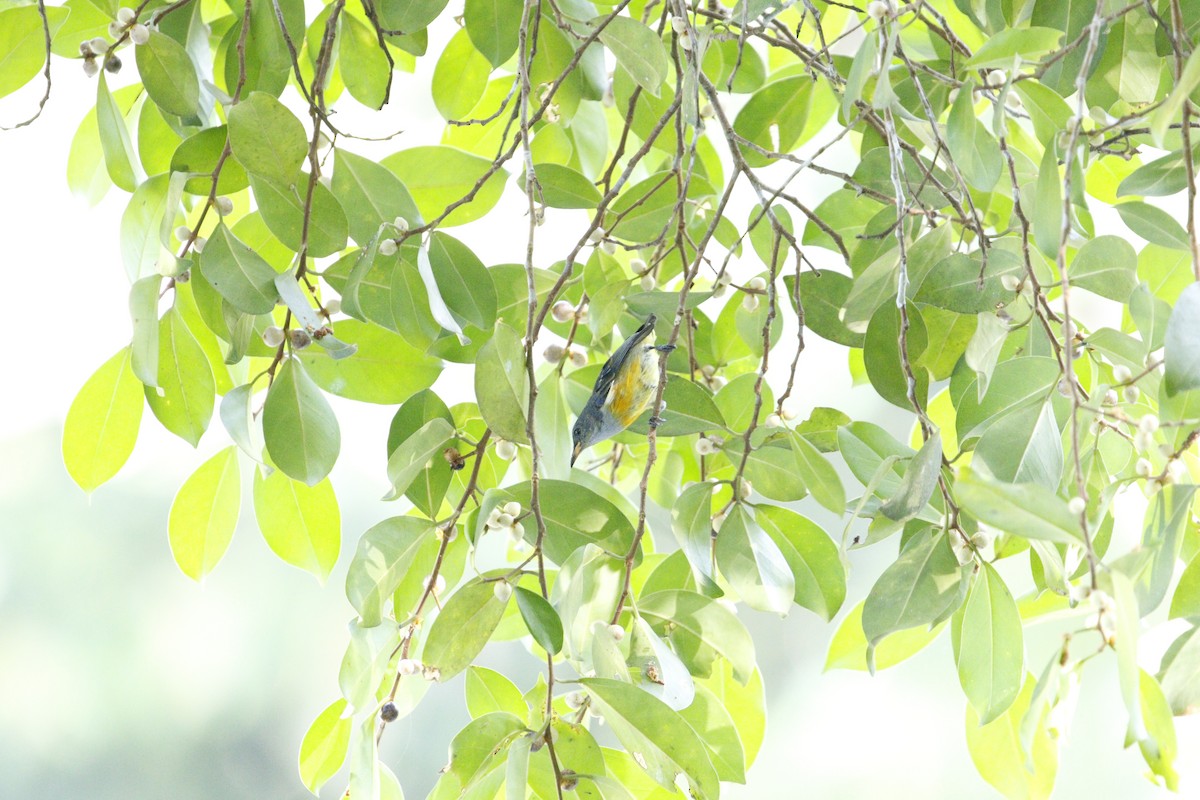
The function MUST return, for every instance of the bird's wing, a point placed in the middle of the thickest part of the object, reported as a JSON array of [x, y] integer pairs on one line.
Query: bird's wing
[[608, 373]]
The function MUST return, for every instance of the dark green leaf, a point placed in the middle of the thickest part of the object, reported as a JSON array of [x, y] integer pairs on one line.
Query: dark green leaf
[[541, 619], [463, 627], [168, 74], [301, 430]]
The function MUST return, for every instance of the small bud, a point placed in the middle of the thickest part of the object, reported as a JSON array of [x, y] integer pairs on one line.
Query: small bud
[[718, 520], [774, 421], [408, 666], [578, 358], [707, 111], [750, 302], [505, 449], [981, 540], [718, 291], [617, 632], [788, 412], [224, 205], [99, 45], [90, 67], [387, 247], [198, 244], [1010, 282], [389, 712], [1132, 393], [517, 533], [756, 284], [1143, 468], [581, 314], [502, 590], [996, 78], [703, 447], [113, 65], [183, 233], [273, 336], [575, 699], [596, 236], [85, 49], [300, 338], [139, 34], [116, 30], [708, 370], [608, 99], [554, 353], [1143, 442], [126, 15], [1110, 397], [1178, 472], [333, 306], [877, 9], [685, 41], [439, 584], [648, 283], [512, 508], [504, 520], [716, 382], [608, 246], [446, 534], [1012, 101], [638, 266], [1148, 423], [744, 489], [1121, 373], [679, 24], [401, 224], [569, 781], [562, 311], [1077, 505]]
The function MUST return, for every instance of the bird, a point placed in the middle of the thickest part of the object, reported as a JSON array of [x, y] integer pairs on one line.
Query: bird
[[627, 383]]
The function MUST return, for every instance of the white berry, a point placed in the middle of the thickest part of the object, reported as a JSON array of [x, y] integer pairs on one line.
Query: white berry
[[1148, 423], [648, 283], [679, 24], [224, 205], [139, 34], [387, 247], [1132, 393], [750, 302], [1010, 282], [1143, 468], [1121, 373], [877, 9], [1077, 505], [502, 590], [506, 449], [273, 336], [562, 311], [617, 632], [408, 666], [126, 15], [774, 421], [756, 284]]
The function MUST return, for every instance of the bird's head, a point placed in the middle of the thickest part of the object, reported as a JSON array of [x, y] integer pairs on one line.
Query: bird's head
[[585, 433]]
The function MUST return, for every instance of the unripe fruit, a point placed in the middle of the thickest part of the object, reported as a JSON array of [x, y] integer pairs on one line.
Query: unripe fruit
[[1132, 393], [505, 449], [333, 306], [578, 358], [512, 508], [1143, 468], [648, 283], [503, 591], [98, 45], [704, 447], [183, 233], [401, 224], [617, 632], [90, 67], [139, 34], [877, 9], [756, 284], [126, 15], [788, 413], [608, 246], [273, 336], [562, 311], [224, 205], [387, 247], [389, 712], [1077, 505], [554, 353], [116, 29], [113, 65], [679, 24], [996, 78], [750, 302], [1121, 373], [300, 338], [1148, 423], [774, 421], [638, 266], [408, 666]]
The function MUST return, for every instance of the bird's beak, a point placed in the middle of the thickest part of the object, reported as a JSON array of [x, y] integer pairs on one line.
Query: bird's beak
[[575, 453]]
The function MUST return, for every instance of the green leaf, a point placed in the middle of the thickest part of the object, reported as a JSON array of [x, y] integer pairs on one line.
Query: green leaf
[[370, 195], [812, 557], [199, 154], [143, 310], [1025, 43], [701, 630], [922, 587], [990, 653], [646, 725], [881, 355], [753, 564], [541, 619], [238, 273], [1027, 510], [183, 401], [364, 65], [323, 750], [141, 248], [1161, 177], [464, 284], [1170, 110], [848, 649], [1047, 219], [204, 514], [954, 283], [494, 26], [1182, 343], [266, 138], [102, 424], [302, 524], [1180, 674], [1166, 524], [385, 555], [691, 522], [384, 369], [819, 476], [414, 453], [1015, 383], [1185, 602], [123, 168], [637, 49], [23, 43], [1160, 746], [1024, 446], [460, 77], [1106, 265], [973, 148], [168, 74], [918, 483], [1125, 638], [409, 16], [489, 691], [563, 187], [712, 722], [996, 750], [575, 516], [516, 769], [438, 176], [281, 204], [301, 430], [1153, 224], [501, 388], [823, 295], [463, 627]]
